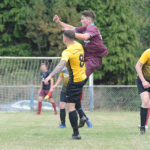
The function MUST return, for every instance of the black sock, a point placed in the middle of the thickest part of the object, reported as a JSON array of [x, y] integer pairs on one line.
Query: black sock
[[143, 114], [63, 116], [81, 113], [74, 121], [80, 110]]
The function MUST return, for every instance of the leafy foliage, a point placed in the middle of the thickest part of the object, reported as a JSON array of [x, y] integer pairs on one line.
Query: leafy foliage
[[27, 29], [142, 9], [43, 32], [13, 29], [17, 50]]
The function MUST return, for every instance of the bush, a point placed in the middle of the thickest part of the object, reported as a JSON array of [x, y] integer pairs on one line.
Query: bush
[[16, 50]]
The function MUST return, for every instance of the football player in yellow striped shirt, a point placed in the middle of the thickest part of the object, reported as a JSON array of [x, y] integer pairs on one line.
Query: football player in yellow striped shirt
[[143, 84], [64, 75], [73, 58]]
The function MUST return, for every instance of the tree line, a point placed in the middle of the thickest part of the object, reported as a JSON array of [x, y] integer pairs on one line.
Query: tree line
[[27, 29]]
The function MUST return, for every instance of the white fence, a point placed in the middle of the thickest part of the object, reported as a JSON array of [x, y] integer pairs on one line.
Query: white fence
[[20, 81], [105, 97], [119, 97]]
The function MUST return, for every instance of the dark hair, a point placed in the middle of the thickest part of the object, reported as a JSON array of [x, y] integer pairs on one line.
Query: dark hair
[[43, 64], [89, 13], [70, 34]]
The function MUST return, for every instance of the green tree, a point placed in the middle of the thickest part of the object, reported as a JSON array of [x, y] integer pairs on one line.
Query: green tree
[[142, 9], [42, 31], [36, 23], [26, 28], [12, 25], [16, 50]]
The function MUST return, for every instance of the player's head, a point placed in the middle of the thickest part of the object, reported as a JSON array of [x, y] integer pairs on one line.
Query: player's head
[[68, 36], [43, 67], [88, 17]]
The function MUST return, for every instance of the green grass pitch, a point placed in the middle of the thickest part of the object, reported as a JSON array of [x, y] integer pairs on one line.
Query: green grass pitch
[[111, 131]]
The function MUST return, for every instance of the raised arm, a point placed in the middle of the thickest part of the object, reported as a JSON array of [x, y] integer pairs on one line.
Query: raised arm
[[58, 68], [65, 26], [81, 36], [138, 68]]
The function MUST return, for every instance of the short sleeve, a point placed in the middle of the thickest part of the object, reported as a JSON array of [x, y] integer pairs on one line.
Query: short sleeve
[[80, 29], [65, 55], [145, 56], [62, 74]]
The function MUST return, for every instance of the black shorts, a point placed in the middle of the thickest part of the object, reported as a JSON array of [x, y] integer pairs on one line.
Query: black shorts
[[141, 89], [63, 97], [74, 91]]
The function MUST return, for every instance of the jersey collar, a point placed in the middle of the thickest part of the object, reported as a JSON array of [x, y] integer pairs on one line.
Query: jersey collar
[[92, 24], [70, 45]]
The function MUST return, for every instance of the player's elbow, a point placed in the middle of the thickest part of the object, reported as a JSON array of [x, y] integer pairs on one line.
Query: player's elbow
[[86, 38], [136, 66]]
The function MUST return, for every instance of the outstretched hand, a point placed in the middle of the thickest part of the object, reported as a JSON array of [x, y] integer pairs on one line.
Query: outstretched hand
[[56, 19]]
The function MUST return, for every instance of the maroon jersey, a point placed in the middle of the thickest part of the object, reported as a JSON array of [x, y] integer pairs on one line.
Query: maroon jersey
[[94, 46]]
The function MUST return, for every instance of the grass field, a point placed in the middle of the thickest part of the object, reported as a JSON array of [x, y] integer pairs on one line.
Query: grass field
[[111, 131]]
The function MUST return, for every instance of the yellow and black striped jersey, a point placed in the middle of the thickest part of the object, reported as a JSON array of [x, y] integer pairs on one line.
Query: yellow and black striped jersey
[[74, 56], [145, 60]]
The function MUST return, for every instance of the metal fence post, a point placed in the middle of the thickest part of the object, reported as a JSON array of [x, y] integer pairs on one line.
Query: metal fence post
[[91, 92], [31, 99]]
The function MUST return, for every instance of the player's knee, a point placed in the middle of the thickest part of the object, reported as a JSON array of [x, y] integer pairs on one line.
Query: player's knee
[[62, 105], [71, 107], [52, 100], [146, 103], [145, 99], [40, 99]]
